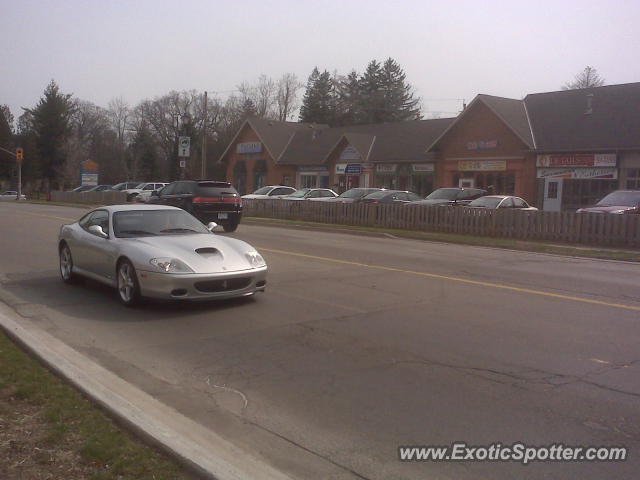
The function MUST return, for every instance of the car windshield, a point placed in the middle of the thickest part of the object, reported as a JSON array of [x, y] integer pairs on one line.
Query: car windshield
[[143, 223], [119, 186], [262, 191], [299, 193], [486, 202], [626, 199], [443, 194], [356, 193]]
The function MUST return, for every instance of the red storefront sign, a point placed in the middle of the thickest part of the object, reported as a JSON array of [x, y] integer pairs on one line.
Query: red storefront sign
[[577, 160]]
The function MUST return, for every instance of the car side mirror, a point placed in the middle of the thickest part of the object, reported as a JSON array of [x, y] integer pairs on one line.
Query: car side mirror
[[97, 230], [211, 226]]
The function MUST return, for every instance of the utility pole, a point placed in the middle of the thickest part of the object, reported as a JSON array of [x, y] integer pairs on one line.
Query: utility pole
[[203, 173]]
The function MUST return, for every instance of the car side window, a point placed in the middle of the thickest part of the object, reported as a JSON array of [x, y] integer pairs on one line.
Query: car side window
[[413, 197], [183, 188], [507, 203], [280, 191], [313, 194], [325, 193], [83, 221], [99, 217], [519, 203], [149, 187]]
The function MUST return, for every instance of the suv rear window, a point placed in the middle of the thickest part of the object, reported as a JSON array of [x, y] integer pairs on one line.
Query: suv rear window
[[213, 189]]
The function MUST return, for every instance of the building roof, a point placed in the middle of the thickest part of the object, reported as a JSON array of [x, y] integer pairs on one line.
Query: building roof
[[560, 120], [273, 134]]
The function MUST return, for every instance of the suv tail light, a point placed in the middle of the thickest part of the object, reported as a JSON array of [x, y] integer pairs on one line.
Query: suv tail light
[[235, 200]]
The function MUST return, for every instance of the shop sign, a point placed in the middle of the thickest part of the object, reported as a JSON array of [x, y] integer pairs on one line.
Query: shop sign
[[423, 167], [340, 168], [313, 168], [89, 179], [89, 173], [577, 160], [353, 169], [349, 153], [482, 165], [249, 147], [386, 168], [482, 145], [579, 173]]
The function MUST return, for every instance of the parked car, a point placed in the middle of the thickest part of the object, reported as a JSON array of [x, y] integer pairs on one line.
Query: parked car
[[11, 195], [271, 191], [451, 196], [99, 188], [142, 187], [620, 201], [82, 188], [145, 195], [207, 200], [500, 201], [311, 193], [174, 256], [350, 196], [391, 196], [125, 186]]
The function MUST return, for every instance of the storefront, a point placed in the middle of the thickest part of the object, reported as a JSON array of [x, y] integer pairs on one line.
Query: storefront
[[312, 177], [629, 171], [415, 177], [571, 181], [496, 176], [352, 175]]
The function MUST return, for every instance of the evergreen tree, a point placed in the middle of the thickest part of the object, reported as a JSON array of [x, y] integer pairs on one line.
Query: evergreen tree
[[249, 108], [348, 100], [318, 105], [7, 161], [371, 101], [399, 103], [51, 125]]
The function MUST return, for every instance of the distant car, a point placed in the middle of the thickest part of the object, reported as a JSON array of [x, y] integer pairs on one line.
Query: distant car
[[451, 196], [500, 201], [391, 196], [11, 195], [311, 193], [350, 196], [619, 202], [145, 195], [271, 191], [207, 200], [99, 188], [158, 252], [125, 186], [82, 188], [142, 187]]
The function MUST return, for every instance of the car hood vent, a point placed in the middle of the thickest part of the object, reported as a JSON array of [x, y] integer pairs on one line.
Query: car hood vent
[[207, 251]]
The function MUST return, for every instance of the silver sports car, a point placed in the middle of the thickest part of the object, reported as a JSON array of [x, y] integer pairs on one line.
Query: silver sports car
[[159, 252]]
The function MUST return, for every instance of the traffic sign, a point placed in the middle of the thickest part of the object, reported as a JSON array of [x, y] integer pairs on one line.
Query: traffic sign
[[184, 145]]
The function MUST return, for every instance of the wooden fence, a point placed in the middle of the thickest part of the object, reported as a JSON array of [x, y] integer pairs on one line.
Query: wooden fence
[[565, 227], [102, 198]]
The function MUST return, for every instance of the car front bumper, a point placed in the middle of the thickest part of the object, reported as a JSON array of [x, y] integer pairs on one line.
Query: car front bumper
[[202, 286]]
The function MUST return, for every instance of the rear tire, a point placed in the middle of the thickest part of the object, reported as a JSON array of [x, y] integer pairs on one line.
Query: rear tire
[[128, 286], [230, 226], [66, 265]]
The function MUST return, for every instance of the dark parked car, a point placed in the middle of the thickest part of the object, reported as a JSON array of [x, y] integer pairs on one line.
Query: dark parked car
[[207, 200], [391, 196], [350, 196], [100, 188], [451, 196], [620, 201]]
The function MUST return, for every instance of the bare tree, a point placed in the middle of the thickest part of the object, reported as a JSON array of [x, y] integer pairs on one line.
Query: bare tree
[[262, 95], [587, 78], [287, 95]]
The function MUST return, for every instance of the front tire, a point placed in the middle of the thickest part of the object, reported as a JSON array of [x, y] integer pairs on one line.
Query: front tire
[[128, 286], [66, 265], [230, 226]]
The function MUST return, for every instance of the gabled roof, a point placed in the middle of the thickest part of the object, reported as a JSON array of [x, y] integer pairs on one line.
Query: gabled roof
[[512, 112], [560, 121], [273, 134]]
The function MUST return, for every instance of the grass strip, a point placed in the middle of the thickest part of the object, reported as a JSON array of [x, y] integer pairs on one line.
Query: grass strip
[[49, 430], [507, 243]]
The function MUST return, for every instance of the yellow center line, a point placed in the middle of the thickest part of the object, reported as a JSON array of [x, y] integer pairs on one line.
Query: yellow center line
[[458, 279]]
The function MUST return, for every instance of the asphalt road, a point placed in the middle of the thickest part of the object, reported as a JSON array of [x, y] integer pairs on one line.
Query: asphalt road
[[364, 343]]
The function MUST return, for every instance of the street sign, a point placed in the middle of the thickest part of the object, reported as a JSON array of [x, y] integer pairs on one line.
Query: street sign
[[183, 163], [184, 145]]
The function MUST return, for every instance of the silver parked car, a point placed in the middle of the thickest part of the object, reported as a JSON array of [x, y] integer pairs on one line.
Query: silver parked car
[[158, 251]]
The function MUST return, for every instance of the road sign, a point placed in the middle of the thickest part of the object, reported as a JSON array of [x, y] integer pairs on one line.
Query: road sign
[[183, 163], [19, 154], [184, 145]]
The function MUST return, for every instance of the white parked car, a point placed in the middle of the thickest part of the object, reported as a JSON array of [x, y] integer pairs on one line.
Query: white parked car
[[271, 191], [11, 195], [500, 201], [143, 187], [145, 195]]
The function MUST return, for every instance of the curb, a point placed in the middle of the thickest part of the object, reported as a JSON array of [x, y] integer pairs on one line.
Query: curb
[[197, 447]]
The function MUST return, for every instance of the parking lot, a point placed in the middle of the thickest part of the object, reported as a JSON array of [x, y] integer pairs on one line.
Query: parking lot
[[362, 343]]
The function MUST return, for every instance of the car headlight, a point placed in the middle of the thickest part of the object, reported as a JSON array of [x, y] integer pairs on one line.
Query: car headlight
[[255, 259], [170, 265]]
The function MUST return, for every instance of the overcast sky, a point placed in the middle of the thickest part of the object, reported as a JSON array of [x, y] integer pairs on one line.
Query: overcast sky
[[102, 49]]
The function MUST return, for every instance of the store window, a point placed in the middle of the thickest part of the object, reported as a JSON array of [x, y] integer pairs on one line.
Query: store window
[[578, 193], [633, 178], [308, 181]]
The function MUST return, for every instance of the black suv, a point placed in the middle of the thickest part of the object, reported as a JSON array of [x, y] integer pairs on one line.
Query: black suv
[[207, 200]]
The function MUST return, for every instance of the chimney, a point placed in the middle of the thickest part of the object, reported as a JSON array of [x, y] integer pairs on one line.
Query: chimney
[[589, 109]]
